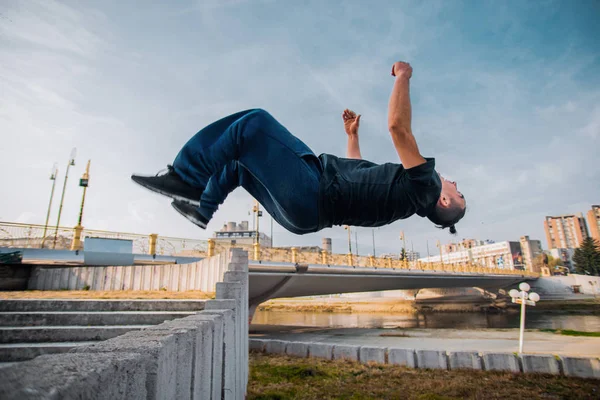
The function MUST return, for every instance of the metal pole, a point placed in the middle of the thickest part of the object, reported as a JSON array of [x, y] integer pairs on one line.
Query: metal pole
[[373, 231], [62, 198], [53, 178], [522, 328], [356, 242], [271, 231]]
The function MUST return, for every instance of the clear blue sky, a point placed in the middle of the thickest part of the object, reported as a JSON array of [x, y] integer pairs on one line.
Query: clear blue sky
[[506, 97]]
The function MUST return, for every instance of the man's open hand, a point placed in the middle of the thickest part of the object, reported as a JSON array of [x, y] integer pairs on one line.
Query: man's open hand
[[351, 122], [402, 68]]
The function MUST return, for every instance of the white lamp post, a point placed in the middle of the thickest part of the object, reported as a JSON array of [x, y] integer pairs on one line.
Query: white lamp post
[[523, 298]]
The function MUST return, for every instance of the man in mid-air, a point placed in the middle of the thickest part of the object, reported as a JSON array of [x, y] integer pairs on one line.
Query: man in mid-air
[[302, 192]]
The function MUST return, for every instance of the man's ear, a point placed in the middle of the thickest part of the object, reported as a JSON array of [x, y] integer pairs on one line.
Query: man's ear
[[443, 201]]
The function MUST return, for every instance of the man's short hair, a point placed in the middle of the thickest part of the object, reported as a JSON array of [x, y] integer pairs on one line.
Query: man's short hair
[[447, 217]]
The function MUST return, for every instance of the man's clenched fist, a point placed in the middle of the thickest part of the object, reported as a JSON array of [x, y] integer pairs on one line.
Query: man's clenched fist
[[402, 68]]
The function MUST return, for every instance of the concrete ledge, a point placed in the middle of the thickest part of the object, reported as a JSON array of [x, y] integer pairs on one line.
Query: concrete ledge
[[404, 357], [320, 350], [47, 334], [501, 362], [257, 345], [432, 359], [14, 352], [275, 346], [541, 364], [297, 349], [372, 354], [24, 305], [345, 352], [581, 367], [465, 360], [76, 376], [159, 358]]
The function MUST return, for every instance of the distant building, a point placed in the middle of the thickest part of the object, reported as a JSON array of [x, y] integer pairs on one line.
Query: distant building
[[565, 231], [530, 249], [464, 244], [505, 255], [239, 234], [593, 220], [412, 255]]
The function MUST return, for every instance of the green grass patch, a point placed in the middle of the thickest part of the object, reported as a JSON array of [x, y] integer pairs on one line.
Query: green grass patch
[[281, 377], [569, 332]]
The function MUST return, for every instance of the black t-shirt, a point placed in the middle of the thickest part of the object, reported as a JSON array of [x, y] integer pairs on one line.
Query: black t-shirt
[[362, 193]]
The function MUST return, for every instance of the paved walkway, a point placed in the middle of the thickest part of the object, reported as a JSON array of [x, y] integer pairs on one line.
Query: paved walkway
[[496, 340]]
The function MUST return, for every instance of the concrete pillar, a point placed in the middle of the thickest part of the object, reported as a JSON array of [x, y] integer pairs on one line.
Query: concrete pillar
[[76, 243], [324, 257], [153, 237], [389, 262], [294, 255], [256, 251], [350, 261], [211, 247], [371, 261]]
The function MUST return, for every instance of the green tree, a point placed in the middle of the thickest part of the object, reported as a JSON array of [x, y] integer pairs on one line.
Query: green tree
[[587, 257], [403, 254], [553, 262]]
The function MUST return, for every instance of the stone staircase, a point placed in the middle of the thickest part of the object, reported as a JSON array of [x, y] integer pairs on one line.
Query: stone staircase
[[29, 328]]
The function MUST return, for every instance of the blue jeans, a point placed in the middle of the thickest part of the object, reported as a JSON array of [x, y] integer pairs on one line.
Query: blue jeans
[[252, 150]]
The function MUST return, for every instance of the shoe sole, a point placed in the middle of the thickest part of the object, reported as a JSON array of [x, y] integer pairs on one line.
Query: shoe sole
[[171, 195], [195, 222]]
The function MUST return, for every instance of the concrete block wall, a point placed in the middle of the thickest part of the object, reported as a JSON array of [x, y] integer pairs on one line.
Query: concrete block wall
[[202, 275], [435, 359], [201, 356]]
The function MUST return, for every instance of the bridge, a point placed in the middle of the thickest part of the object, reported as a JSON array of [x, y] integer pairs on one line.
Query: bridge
[[273, 272]]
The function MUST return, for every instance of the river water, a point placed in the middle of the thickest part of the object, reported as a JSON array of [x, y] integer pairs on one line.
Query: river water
[[448, 320]]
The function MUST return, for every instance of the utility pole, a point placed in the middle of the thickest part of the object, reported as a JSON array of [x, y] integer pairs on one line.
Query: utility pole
[[356, 242], [69, 164], [53, 179]]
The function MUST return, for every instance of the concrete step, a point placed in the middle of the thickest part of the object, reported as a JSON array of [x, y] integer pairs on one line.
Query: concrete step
[[101, 305], [26, 351], [36, 318], [32, 334]]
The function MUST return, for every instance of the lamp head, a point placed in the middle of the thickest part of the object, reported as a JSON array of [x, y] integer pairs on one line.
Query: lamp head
[[524, 286]]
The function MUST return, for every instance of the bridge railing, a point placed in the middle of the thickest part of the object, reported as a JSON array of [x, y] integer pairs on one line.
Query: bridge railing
[[14, 234], [294, 255]]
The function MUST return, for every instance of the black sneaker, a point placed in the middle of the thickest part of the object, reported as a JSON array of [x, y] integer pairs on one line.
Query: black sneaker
[[189, 211], [170, 184]]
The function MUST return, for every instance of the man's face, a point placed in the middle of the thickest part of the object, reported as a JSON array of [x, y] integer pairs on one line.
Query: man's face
[[450, 191]]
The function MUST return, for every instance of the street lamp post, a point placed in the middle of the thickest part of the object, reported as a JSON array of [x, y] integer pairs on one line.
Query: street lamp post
[[523, 298], [258, 212], [62, 198], [83, 182], [53, 179]]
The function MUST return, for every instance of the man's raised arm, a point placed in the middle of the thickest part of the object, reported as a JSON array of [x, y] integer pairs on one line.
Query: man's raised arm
[[399, 117], [351, 122]]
